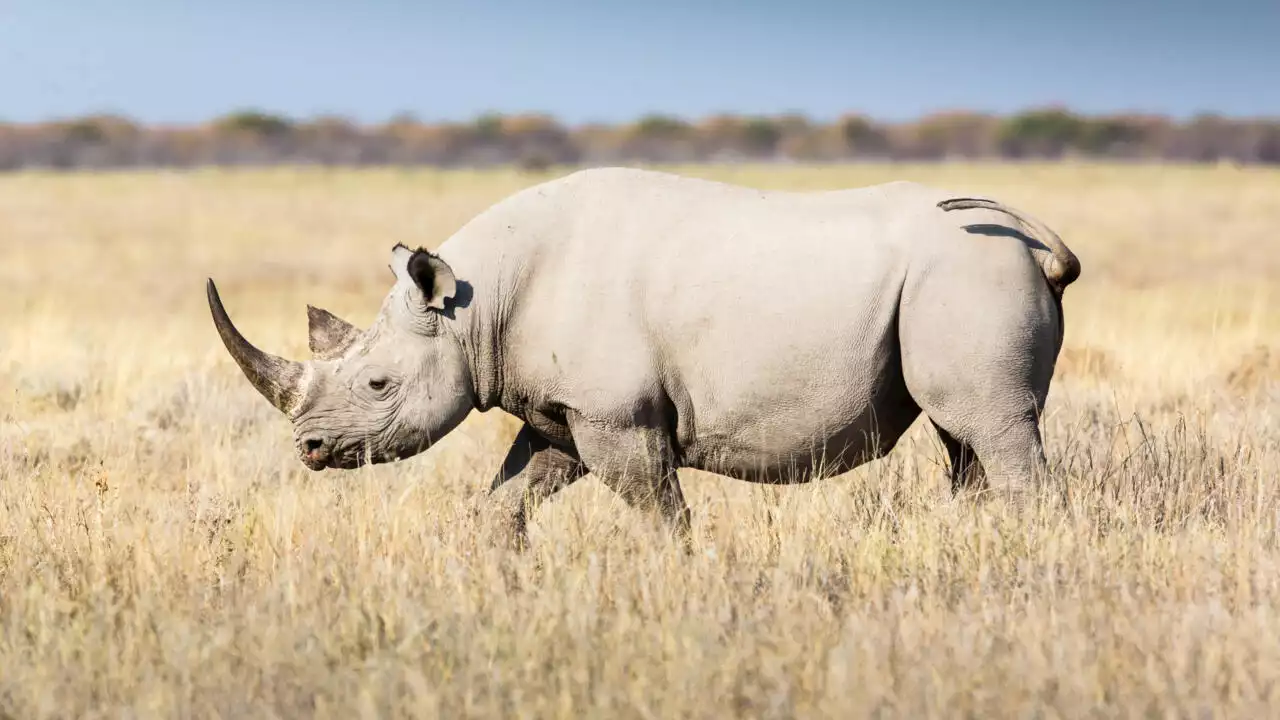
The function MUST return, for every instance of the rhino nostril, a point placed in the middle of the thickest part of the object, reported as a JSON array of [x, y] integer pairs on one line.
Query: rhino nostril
[[313, 444]]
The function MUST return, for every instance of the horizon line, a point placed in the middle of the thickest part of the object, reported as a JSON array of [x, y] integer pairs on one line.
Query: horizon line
[[688, 119]]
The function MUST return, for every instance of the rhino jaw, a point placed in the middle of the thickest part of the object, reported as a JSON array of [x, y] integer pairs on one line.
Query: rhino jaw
[[278, 380]]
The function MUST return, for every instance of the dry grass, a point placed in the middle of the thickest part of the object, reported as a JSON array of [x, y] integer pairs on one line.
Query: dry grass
[[162, 553]]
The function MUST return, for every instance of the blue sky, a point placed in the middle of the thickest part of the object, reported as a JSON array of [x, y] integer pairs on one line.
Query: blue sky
[[608, 61]]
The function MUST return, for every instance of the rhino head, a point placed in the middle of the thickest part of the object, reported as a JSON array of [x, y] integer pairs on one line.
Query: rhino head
[[368, 396]]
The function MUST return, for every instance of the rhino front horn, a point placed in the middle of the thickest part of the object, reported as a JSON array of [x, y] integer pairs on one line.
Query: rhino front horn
[[276, 378]]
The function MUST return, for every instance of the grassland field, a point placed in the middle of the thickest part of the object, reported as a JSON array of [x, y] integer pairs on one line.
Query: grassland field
[[164, 554]]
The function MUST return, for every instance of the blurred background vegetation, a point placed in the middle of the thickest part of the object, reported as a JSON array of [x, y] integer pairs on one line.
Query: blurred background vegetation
[[534, 141]]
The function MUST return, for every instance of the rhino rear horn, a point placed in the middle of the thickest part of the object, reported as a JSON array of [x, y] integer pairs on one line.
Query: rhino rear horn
[[276, 378], [329, 335]]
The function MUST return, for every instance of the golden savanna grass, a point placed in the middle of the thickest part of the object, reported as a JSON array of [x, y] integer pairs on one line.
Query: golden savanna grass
[[163, 553]]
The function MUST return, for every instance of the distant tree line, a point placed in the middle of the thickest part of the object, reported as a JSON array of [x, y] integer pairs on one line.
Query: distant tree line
[[535, 141]]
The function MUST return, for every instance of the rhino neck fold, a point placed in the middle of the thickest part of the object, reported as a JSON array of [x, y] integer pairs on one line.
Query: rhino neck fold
[[479, 336], [493, 265]]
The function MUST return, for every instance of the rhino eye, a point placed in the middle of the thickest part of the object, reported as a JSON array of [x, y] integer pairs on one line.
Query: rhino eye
[[378, 384]]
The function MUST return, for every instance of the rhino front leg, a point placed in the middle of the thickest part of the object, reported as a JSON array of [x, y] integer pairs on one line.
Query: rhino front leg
[[533, 471], [639, 464]]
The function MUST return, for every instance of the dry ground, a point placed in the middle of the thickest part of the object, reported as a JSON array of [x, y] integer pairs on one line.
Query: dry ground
[[162, 553]]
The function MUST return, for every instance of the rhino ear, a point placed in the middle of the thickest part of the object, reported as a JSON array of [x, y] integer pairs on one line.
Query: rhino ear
[[431, 274], [330, 335]]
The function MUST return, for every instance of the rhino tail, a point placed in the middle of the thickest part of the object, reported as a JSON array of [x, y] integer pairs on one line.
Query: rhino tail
[[1062, 269]]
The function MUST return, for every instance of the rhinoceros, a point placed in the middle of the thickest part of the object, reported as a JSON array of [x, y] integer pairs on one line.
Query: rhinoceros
[[639, 322]]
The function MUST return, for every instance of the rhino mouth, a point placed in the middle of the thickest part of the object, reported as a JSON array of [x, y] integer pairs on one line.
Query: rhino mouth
[[350, 460]]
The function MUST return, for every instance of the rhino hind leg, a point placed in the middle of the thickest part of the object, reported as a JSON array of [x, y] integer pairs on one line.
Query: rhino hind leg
[[533, 471], [978, 347], [962, 462], [987, 413], [1004, 457], [639, 464]]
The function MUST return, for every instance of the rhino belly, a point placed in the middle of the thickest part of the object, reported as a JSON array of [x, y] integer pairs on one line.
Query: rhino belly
[[825, 426]]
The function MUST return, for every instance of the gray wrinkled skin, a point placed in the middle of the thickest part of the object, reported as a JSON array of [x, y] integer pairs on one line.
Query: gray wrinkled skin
[[639, 322]]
